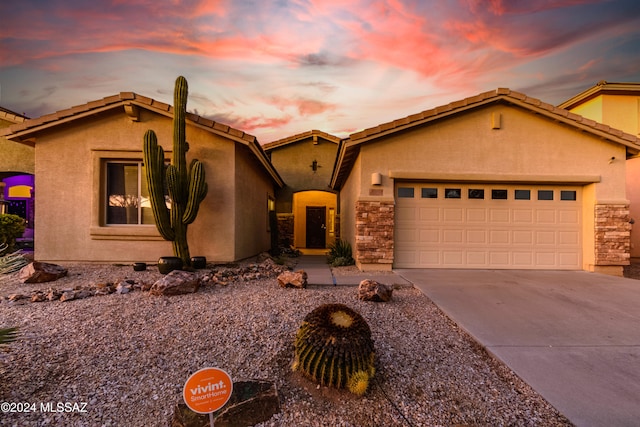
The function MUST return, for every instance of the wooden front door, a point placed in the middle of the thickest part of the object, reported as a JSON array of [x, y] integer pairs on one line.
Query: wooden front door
[[316, 227]]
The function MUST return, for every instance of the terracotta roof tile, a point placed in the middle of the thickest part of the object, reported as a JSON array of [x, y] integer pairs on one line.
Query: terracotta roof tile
[[206, 122], [235, 132], [221, 127]]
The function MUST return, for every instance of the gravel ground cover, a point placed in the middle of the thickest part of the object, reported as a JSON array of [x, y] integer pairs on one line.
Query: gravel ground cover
[[124, 358]]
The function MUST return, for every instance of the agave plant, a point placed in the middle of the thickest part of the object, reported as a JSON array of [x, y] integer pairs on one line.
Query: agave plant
[[12, 262], [8, 335], [340, 253], [333, 347]]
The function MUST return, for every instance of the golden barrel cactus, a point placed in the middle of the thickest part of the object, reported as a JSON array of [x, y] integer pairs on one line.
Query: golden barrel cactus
[[333, 347]]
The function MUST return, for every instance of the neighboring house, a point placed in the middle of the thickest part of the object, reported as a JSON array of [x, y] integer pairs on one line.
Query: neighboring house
[[306, 207], [91, 203], [498, 180], [17, 166], [616, 105]]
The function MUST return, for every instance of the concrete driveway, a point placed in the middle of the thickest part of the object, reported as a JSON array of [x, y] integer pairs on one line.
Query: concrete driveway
[[573, 336]]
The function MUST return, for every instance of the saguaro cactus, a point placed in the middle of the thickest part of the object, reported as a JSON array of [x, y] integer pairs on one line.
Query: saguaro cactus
[[187, 187]]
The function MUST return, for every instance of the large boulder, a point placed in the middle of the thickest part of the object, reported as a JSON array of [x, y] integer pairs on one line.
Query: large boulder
[[370, 290], [293, 279], [40, 272], [176, 282]]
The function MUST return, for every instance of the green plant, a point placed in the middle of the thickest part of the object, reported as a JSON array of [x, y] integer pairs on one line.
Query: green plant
[[334, 347], [340, 253], [11, 227], [8, 335], [11, 262], [186, 186]]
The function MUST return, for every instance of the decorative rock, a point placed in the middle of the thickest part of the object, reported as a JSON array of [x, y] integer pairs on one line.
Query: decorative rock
[[370, 290], [251, 403], [39, 272], [38, 297], [53, 294], [293, 279], [67, 296], [175, 283], [84, 293]]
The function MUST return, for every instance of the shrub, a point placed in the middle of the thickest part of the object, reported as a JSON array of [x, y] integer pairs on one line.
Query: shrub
[[340, 253], [11, 227]]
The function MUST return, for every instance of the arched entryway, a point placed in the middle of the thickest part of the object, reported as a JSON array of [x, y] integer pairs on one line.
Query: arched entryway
[[315, 218]]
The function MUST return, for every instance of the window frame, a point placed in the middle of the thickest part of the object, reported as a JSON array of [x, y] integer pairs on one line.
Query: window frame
[[139, 164], [99, 229]]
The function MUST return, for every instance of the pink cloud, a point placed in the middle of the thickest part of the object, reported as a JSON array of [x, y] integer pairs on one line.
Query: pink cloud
[[304, 106]]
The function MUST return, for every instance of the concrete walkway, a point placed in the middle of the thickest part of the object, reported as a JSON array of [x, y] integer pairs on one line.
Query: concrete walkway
[[319, 273], [573, 336]]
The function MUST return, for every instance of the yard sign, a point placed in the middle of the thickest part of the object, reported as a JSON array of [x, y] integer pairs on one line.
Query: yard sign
[[207, 390]]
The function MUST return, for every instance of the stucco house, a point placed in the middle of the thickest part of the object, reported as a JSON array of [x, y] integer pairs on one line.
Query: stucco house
[[16, 172], [307, 209], [499, 180], [91, 201], [616, 105]]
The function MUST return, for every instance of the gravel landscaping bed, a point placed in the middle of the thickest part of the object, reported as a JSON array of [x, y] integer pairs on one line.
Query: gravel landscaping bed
[[127, 356]]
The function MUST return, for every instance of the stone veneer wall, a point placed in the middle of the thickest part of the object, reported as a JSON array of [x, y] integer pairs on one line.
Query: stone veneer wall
[[374, 232], [612, 235], [285, 230]]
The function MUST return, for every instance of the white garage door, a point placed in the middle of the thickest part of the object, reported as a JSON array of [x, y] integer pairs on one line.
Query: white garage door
[[444, 225]]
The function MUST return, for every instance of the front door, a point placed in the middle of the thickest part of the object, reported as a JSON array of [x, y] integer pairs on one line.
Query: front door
[[316, 227]]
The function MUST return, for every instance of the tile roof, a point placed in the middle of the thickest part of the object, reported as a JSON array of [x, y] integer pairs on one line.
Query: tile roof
[[350, 147], [114, 101], [11, 116], [601, 88], [23, 131], [300, 137]]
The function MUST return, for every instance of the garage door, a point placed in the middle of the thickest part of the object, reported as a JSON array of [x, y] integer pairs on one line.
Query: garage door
[[444, 225]]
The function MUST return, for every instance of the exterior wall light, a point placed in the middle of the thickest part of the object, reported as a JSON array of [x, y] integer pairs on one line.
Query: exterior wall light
[[376, 178]]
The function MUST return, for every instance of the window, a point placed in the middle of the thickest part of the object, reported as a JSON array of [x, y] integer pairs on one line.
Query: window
[[332, 221], [545, 194], [523, 194], [271, 213], [452, 193], [567, 195], [429, 193], [405, 192], [499, 194], [476, 193], [127, 198]]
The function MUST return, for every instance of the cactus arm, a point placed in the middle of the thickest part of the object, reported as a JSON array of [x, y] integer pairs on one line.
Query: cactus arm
[[197, 192], [154, 161], [180, 145]]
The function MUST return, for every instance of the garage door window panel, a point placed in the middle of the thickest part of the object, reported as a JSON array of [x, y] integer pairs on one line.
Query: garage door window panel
[[545, 194], [499, 194], [429, 193], [405, 192], [476, 193]]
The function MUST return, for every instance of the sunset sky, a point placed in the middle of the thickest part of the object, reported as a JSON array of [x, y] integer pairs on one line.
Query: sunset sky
[[274, 68]]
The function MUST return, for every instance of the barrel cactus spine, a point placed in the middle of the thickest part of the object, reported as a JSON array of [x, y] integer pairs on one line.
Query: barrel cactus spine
[[333, 347], [186, 186]]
